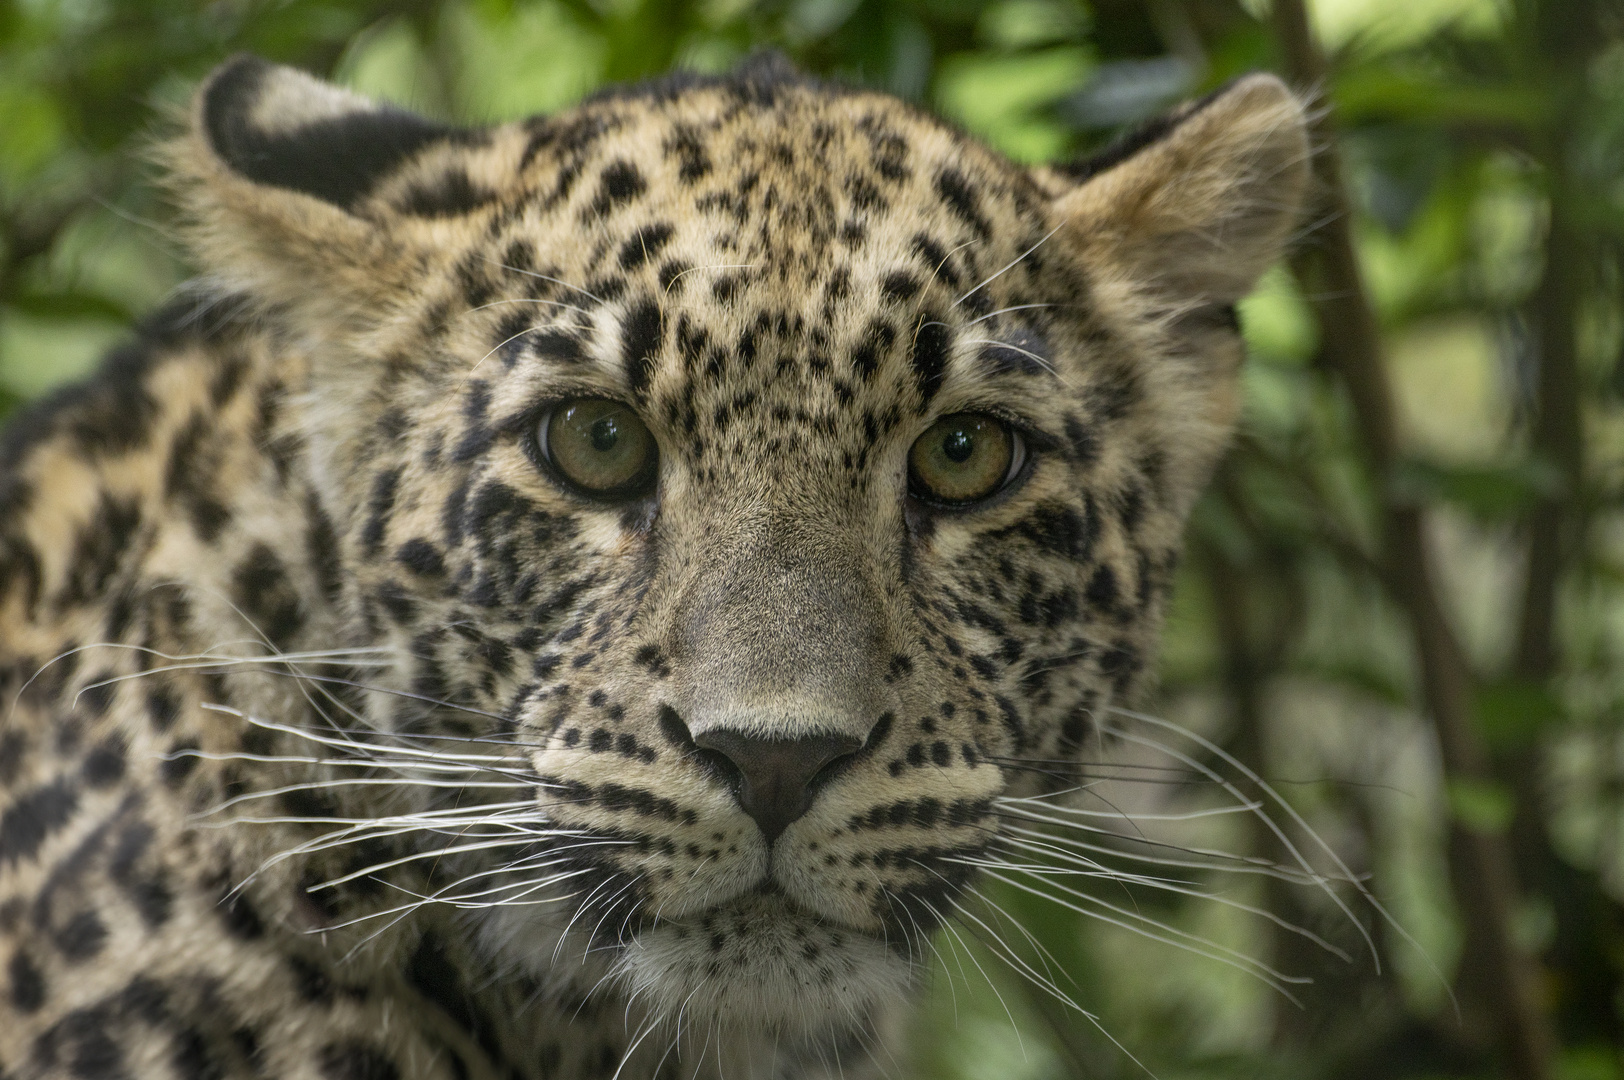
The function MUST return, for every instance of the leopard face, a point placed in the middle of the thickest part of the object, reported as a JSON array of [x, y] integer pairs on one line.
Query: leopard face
[[767, 469]]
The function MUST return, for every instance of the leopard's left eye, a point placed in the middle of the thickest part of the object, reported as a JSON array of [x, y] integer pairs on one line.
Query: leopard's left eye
[[964, 458], [599, 447]]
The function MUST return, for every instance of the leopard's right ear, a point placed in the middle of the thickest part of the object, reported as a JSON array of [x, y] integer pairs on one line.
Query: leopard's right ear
[[301, 192]]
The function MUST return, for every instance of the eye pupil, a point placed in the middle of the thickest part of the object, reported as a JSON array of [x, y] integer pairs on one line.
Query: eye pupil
[[958, 445], [604, 435]]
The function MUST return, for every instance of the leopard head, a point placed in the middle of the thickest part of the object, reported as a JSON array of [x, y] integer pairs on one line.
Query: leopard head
[[771, 468]]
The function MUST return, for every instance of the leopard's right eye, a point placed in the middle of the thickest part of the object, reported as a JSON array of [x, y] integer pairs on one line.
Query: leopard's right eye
[[599, 447]]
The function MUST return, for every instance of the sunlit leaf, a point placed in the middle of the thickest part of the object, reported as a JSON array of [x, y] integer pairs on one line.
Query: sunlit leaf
[[1480, 805], [1490, 493], [1513, 714], [1000, 97]]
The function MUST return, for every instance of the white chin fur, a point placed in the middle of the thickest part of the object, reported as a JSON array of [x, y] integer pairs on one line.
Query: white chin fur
[[758, 966]]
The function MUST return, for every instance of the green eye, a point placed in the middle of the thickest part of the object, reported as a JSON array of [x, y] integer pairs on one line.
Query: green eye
[[600, 447], [963, 458]]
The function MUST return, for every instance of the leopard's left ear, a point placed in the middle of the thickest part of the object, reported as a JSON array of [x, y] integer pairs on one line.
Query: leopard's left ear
[[1196, 205], [304, 193]]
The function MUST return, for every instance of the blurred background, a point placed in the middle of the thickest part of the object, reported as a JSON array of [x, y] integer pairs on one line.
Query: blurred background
[[1388, 751]]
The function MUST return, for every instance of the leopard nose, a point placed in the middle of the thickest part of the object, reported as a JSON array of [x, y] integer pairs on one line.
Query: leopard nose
[[775, 775]]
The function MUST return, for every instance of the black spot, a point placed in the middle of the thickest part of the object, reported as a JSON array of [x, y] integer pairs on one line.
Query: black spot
[[321, 548], [671, 273], [310, 982], [397, 601], [1020, 352], [619, 183], [379, 506], [32, 818], [961, 198], [179, 763], [92, 1053], [82, 937], [1058, 529], [194, 461], [267, 596], [641, 334], [352, 1059], [1102, 589], [338, 160], [99, 549], [936, 260], [644, 245], [557, 345], [27, 983], [447, 195], [478, 435], [13, 744], [95, 698], [687, 146], [434, 976], [420, 557], [239, 916], [191, 1056], [1116, 393], [1085, 444], [899, 286], [1122, 663], [930, 350], [104, 765]]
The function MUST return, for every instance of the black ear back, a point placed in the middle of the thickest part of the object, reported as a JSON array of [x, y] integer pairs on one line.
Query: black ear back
[[276, 126]]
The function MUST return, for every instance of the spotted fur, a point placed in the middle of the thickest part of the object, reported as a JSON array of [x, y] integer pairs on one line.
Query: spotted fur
[[297, 629]]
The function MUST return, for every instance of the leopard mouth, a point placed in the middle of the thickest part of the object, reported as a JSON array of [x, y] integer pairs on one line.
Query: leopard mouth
[[759, 962]]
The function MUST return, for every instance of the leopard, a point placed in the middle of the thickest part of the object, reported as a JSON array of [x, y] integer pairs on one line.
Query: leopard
[[576, 597]]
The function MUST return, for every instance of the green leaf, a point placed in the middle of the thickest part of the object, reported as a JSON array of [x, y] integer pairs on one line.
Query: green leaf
[[31, 133], [1512, 713], [1021, 24], [1489, 492], [1482, 806], [71, 305], [1001, 98], [1374, 93]]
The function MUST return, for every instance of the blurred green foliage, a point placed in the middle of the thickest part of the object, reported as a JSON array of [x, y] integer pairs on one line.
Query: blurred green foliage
[[1483, 144]]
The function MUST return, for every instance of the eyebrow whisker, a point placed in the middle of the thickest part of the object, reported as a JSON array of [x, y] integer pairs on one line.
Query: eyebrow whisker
[[1011, 265], [1041, 362]]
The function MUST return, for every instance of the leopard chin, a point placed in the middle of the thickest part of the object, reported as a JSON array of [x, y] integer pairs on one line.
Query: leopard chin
[[759, 963]]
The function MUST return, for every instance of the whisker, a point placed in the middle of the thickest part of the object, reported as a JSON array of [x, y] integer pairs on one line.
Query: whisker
[[1041, 361], [715, 266], [1267, 821], [1007, 310], [555, 281], [1017, 259]]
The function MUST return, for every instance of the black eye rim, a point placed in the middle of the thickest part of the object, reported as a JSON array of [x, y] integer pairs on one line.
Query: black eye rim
[[1023, 446], [638, 489]]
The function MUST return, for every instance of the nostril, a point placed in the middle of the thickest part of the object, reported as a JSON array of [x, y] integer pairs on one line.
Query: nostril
[[774, 777]]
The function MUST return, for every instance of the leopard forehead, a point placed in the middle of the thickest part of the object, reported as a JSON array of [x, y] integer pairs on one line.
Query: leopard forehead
[[713, 261]]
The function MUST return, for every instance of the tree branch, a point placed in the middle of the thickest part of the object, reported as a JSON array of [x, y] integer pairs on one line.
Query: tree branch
[[1485, 887]]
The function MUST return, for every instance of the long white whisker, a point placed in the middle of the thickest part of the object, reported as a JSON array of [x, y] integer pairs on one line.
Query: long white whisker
[[1016, 260], [555, 281], [1267, 821]]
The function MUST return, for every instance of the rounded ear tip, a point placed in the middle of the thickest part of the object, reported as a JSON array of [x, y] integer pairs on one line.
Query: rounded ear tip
[[1259, 91], [227, 93]]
